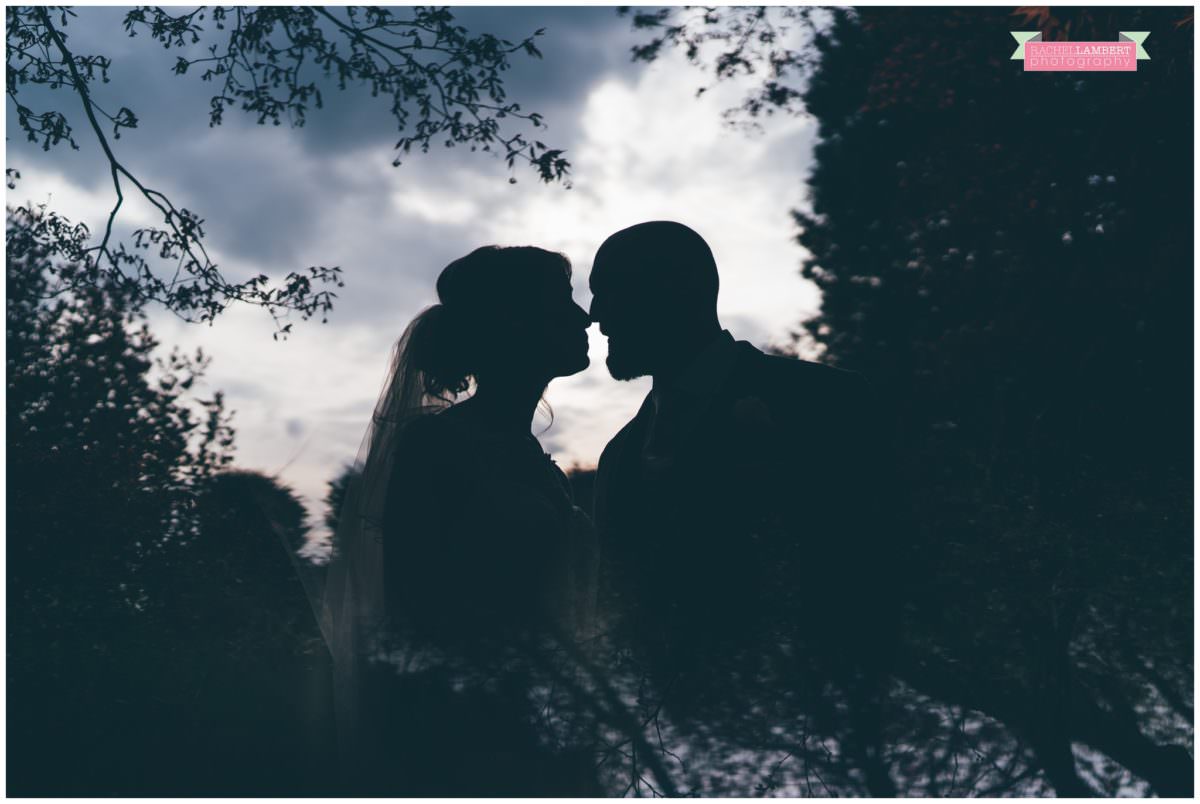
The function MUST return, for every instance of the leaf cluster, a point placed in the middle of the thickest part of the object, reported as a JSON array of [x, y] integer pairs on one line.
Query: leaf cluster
[[443, 85]]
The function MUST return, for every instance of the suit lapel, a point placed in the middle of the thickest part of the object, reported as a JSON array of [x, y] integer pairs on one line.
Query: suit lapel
[[619, 483], [707, 436], [702, 452]]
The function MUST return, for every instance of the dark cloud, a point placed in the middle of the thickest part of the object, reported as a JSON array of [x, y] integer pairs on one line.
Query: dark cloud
[[578, 45]]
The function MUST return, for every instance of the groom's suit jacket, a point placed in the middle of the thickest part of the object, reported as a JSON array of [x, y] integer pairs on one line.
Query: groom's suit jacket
[[774, 499]]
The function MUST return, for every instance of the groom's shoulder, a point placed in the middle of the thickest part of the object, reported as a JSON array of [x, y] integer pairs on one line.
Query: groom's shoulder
[[791, 376], [619, 437], [622, 435]]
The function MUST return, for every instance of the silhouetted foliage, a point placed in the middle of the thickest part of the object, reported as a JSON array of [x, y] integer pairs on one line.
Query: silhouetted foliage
[[336, 496], [1009, 256], [249, 524], [159, 640], [261, 708], [444, 85], [736, 41], [108, 456]]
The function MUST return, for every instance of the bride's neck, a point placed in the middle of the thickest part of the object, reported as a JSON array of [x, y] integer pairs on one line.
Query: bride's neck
[[507, 406]]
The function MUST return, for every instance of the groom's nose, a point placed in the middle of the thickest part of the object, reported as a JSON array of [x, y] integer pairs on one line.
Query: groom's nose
[[596, 319]]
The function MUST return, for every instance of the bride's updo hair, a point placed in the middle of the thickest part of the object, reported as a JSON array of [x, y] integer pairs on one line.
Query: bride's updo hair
[[438, 352], [478, 294]]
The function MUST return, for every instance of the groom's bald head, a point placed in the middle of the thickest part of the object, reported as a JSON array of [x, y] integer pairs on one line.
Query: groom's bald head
[[661, 256], [654, 285]]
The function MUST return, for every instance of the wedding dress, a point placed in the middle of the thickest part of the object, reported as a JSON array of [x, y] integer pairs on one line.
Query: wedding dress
[[459, 600]]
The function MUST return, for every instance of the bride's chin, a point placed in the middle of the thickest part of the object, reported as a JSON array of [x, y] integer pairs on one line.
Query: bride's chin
[[576, 366]]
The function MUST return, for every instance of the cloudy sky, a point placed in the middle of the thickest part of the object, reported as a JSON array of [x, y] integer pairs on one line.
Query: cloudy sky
[[642, 147]]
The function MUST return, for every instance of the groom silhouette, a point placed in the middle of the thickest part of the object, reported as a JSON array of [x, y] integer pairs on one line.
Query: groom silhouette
[[743, 507]]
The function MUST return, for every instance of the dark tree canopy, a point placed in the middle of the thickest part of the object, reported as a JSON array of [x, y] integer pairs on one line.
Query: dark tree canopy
[[336, 496], [1008, 256]]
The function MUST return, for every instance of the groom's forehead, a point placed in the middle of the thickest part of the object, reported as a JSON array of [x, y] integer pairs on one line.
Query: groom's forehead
[[613, 268]]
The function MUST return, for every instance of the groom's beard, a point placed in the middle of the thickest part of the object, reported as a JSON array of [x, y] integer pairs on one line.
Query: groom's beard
[[623, 365], [619, 371]]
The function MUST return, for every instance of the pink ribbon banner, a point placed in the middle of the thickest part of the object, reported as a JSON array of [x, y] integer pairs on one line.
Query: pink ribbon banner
[[1121, 56]]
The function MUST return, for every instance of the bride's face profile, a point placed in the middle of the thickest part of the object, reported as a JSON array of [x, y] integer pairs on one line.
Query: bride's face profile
[[545, 334], [509, 316]]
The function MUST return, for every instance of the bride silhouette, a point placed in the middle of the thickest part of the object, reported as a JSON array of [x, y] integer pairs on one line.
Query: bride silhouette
[[460, 554]]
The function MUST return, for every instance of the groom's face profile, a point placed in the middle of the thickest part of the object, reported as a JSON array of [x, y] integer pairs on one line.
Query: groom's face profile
[[629, 314], [654, 288]]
